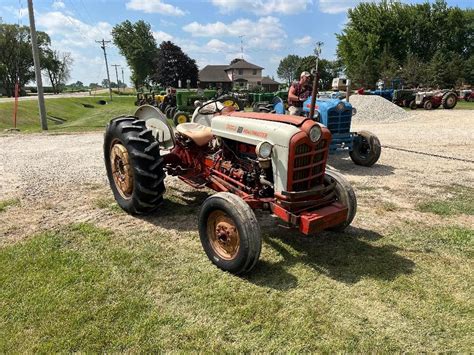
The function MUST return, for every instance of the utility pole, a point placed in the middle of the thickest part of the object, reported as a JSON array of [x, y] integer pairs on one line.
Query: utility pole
[[104, 42], [242, 46], [116, 75], [36, 60], [317, 53], [123, 80]]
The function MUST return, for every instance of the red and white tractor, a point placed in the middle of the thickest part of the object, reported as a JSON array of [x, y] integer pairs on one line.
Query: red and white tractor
[[253, 160]]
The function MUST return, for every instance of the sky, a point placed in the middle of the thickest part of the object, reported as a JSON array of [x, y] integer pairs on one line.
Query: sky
[[209, 31]]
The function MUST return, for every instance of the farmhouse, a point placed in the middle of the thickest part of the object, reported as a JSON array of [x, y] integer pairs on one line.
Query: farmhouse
[[239, 74]]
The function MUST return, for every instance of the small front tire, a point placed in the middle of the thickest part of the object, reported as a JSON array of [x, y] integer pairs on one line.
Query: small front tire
[[345, 195], [180, 117], [230, 233]]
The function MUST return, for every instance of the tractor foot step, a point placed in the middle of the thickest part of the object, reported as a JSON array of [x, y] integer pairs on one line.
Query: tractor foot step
[[197, 182]]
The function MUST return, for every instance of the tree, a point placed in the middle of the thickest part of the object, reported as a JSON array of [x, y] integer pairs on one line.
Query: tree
[[379, 38], [16, 58], [57, 66], [94, 86], [288, 68], [172, 64], [137, 44]]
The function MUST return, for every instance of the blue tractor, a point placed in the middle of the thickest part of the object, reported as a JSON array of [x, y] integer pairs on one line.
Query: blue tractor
[[364, 147]]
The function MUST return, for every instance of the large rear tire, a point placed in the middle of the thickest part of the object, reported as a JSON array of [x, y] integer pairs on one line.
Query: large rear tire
[[134, 165], [230, 233], [366, 149], [345, 195], [449, 100]]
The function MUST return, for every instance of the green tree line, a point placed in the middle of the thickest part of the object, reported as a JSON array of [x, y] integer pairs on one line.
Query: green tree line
[[162, 65], [16, 60], [428, 44]]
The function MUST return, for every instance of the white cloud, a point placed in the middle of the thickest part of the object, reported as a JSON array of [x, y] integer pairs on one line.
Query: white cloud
[[17, 13], [260, 7], [266, 33], [338, 6], [154, 7], [161, 36], [72, 32], [303, 41], [58, 5]]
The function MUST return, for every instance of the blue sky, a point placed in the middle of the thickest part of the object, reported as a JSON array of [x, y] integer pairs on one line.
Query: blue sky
[[207, 30]]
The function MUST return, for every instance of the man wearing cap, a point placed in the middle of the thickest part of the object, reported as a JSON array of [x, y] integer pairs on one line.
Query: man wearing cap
[[298, 93]]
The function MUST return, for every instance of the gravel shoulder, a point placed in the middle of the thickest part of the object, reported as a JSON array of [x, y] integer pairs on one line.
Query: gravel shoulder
[[60, 179]]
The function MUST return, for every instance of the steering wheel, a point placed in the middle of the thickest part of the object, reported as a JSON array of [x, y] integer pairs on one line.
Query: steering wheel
[[201, 109]]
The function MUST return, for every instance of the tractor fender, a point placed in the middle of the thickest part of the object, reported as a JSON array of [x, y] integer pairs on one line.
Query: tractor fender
[[157, 122]]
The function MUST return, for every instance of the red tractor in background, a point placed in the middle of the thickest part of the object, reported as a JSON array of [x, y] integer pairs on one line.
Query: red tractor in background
[[275, 163], [431, 100]]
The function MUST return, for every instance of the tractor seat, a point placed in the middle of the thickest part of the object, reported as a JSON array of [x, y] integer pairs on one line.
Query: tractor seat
[[198, 133]]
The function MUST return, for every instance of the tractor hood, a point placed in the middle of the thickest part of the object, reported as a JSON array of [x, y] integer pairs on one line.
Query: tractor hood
[[323, 105], [248, 127]]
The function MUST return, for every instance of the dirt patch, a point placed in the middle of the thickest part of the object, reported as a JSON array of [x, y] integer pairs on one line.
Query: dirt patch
[[60, 179]]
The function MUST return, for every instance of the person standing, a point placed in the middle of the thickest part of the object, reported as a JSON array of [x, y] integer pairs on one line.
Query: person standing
[[298, 93]]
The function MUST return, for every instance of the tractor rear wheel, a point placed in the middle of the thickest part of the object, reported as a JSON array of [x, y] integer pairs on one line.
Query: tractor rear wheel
[[344, 194], [230, 233], [449, 100], [366, 149], [180, 117], [134, 165], [428, 105]]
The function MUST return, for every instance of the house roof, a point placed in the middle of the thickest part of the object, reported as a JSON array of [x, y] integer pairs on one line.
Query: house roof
[[214, 73], [243, 64], [268, 81]]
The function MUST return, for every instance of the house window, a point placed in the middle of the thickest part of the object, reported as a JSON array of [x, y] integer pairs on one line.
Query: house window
[[241, 72], [255, 72]]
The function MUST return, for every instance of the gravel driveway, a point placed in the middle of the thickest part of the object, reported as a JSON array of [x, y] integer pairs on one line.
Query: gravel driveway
[[59, 178]]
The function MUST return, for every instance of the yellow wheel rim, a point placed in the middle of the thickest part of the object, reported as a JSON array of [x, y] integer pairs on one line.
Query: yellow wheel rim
[[121, 169], [223, 235], [230, 103], [182, 119]]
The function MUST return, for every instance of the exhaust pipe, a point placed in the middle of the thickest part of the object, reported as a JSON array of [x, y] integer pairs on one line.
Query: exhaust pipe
[[348, 89]]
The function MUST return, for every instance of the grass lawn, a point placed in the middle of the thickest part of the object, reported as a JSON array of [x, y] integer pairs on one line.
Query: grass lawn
[[77, 117], [82, 288]]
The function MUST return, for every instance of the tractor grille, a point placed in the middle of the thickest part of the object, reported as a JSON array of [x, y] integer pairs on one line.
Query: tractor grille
[[308, 165], [339, 122]]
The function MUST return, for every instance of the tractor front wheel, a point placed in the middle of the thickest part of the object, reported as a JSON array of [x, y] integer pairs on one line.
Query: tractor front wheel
[[366, 149], [230, 233], [428, 105], [134, 165], [413, 105], [231, 101], [180, 117], [345, 195]]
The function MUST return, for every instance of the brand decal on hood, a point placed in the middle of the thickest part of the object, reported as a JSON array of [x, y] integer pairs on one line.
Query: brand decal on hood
[[248, 132]]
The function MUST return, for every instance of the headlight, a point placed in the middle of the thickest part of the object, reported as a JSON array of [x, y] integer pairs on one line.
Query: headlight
[[340, 106], [316, 115], [264, 150], [315, 133], [354, 111]]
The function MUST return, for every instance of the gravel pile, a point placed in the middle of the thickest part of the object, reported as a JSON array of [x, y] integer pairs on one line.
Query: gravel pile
[[376, 108]]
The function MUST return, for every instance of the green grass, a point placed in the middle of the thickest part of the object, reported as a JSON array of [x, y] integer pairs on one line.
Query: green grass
[[463, 105], [81, 288], [460, 201], [78, 117], [108, 203], [4, 204]]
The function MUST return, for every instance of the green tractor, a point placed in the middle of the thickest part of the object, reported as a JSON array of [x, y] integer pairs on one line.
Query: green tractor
[[179, 104]]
